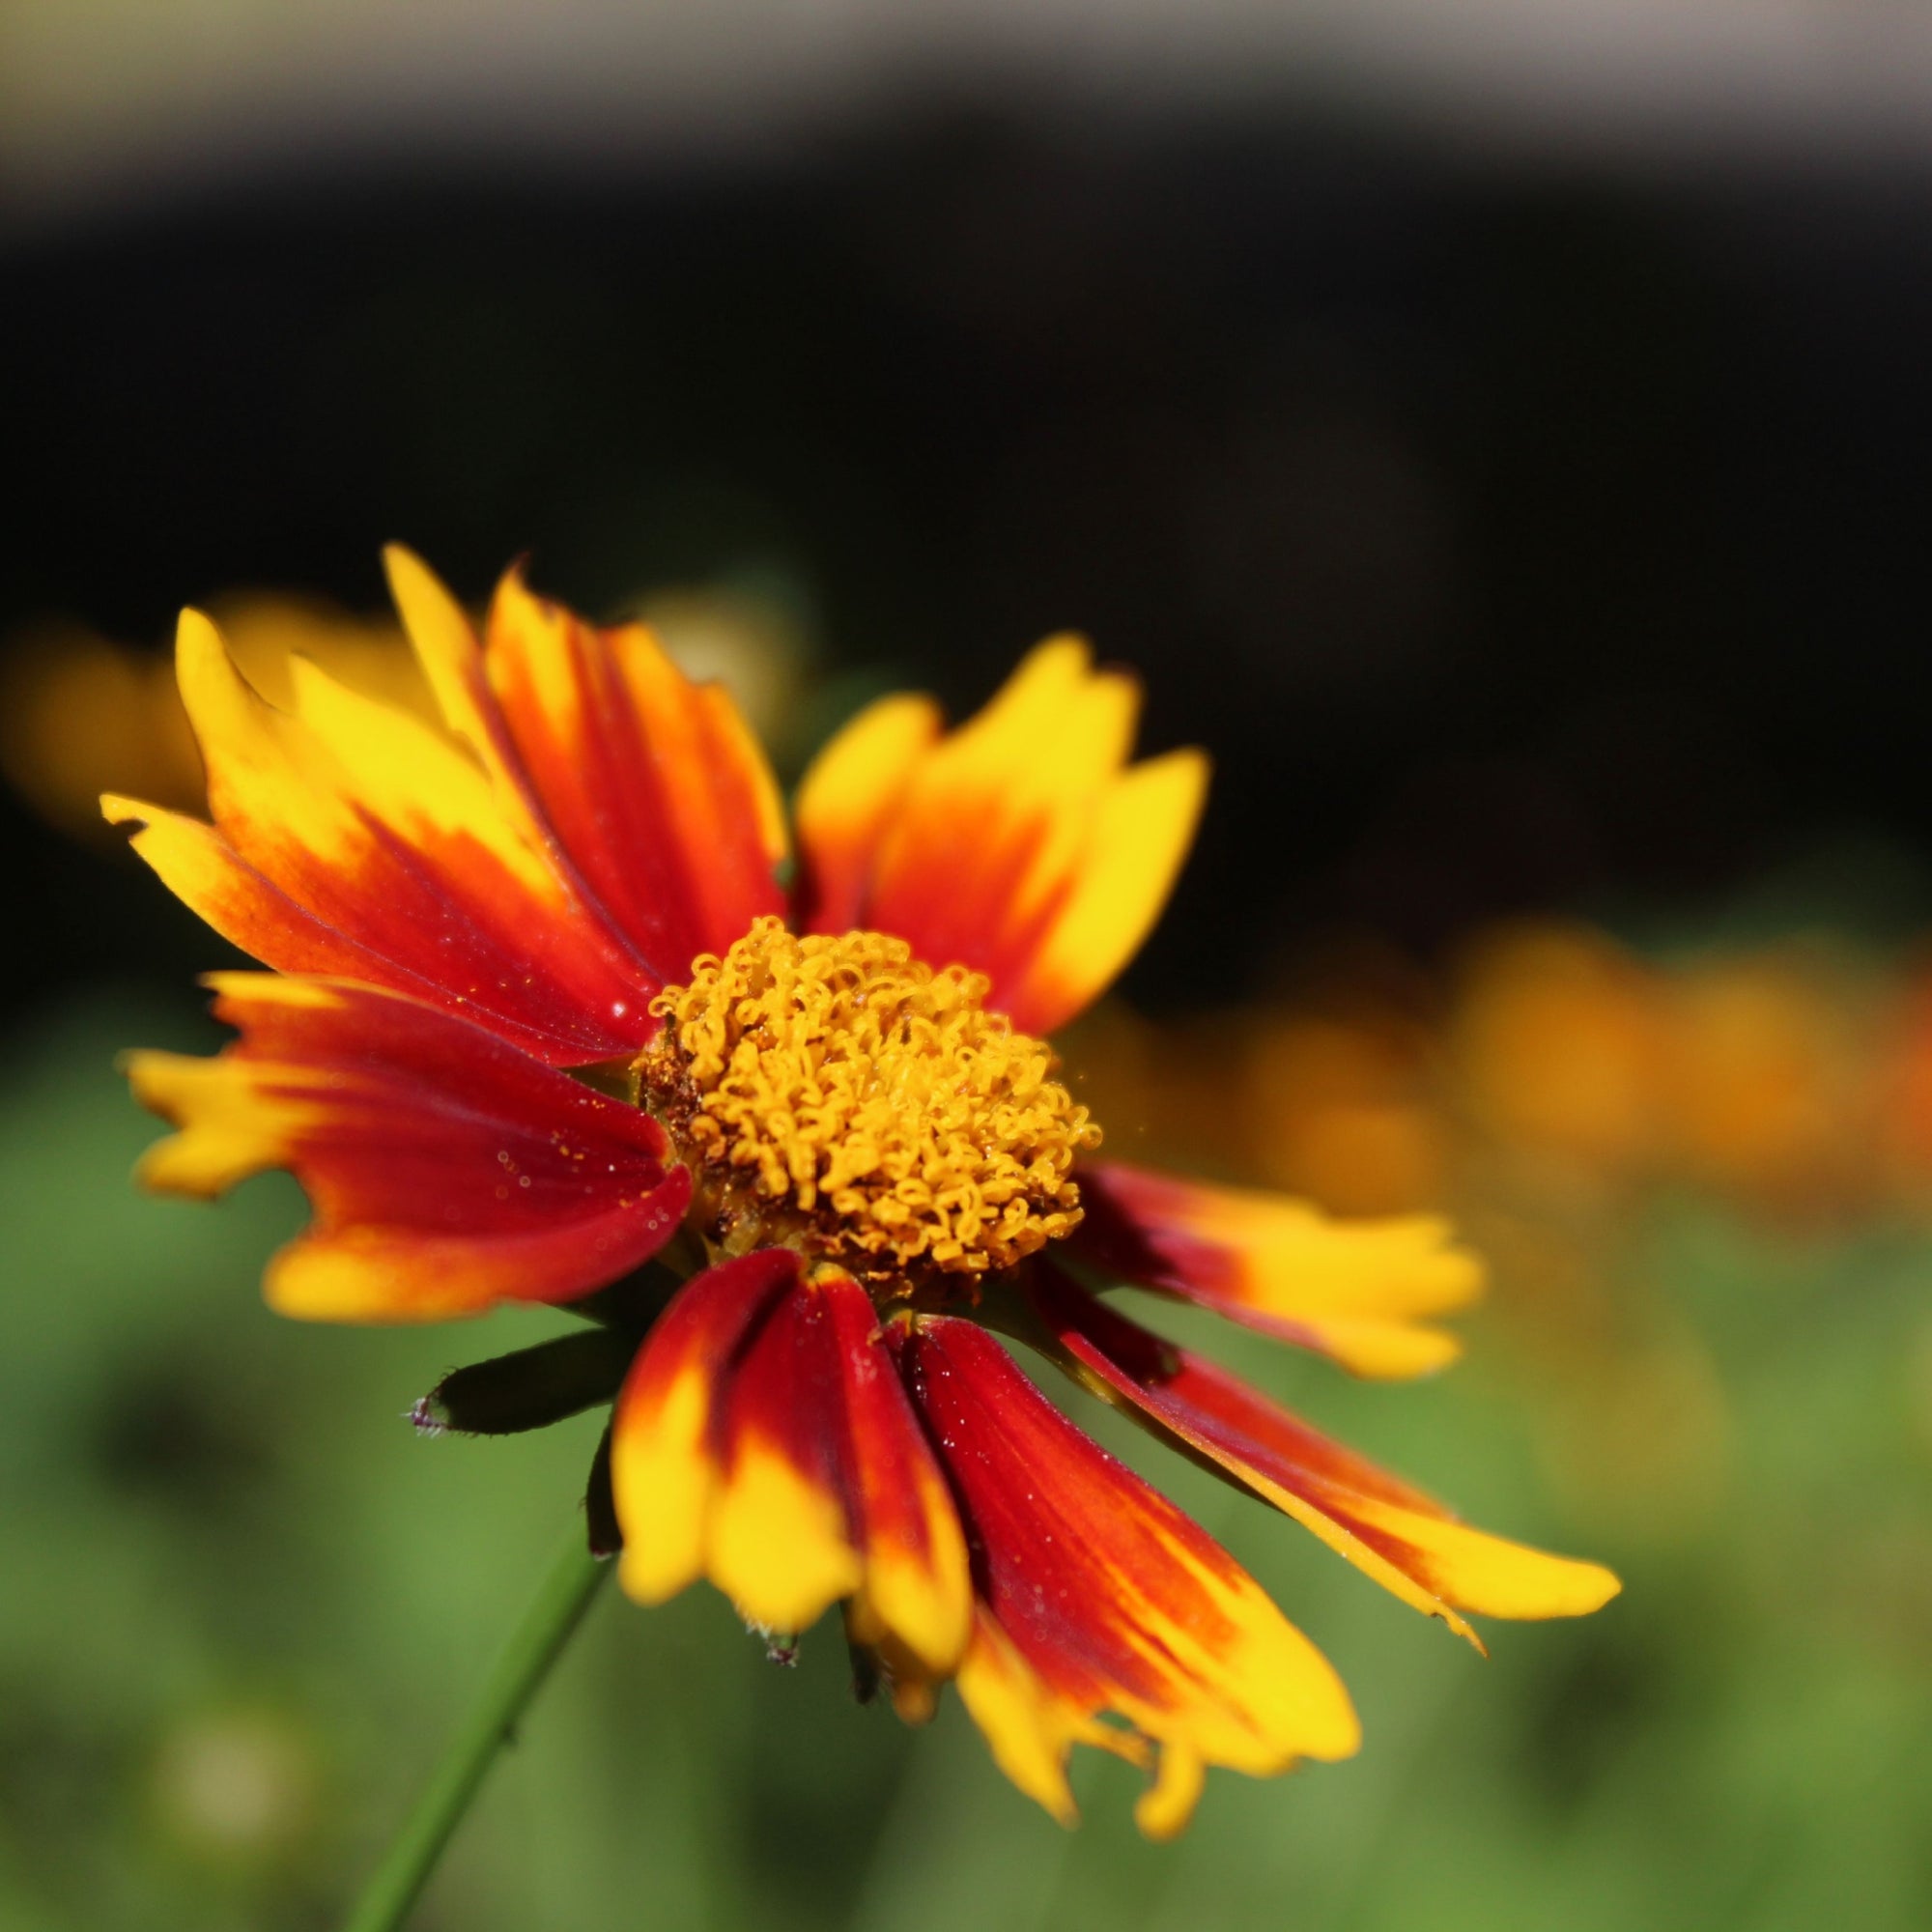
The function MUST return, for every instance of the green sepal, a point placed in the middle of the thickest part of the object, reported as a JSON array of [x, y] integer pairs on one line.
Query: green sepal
[[529, 1389]]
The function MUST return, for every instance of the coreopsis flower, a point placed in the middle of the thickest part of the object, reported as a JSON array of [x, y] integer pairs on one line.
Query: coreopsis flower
[[542, 1011]]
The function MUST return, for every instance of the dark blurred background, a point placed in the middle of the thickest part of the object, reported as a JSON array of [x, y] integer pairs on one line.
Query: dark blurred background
[[1517, 528], [1507, 452]]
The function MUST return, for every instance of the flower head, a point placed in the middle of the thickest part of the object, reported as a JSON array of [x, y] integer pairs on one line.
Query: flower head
[[541, 1014]]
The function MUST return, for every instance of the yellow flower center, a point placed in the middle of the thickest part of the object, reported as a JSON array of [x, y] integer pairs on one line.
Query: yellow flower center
[[842, 1096]]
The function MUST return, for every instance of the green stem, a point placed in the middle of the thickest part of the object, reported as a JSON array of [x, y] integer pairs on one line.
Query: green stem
[[526, 1661]]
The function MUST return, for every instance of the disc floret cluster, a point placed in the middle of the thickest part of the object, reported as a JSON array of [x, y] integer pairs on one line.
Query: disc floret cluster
[[844, 1092]]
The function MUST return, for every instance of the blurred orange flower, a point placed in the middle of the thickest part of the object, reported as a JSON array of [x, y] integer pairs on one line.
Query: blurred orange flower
[[1559, 1042], [1774, 1076]]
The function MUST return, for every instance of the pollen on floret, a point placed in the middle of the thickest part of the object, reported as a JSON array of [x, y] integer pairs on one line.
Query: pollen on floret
[[843, 1095]]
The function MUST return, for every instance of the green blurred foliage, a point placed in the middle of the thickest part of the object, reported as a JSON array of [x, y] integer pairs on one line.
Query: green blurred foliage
[[245, 1602]]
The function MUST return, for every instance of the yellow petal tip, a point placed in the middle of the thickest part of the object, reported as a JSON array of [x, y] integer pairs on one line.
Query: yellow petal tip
[[117, 809], [197, 636]]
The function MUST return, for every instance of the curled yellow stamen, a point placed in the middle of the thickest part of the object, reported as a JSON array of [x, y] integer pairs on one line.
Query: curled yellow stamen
[[871, 1099]]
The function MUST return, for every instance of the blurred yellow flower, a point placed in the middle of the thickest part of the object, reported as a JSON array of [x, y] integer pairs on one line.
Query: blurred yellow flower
[[80, 714]]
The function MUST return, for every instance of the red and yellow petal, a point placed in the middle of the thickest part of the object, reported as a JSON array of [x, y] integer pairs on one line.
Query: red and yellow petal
[[1140, 832], [204, 871], [448, 1171], [1105, 1598], [1404, 1540], [915, 1590], [350, 837], [1032, 1727], [450, 654], [763, 1441], [846, 801], [663, 1459], [652, 785], [778, 1538], [1356, 1290], [1022, 845]]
